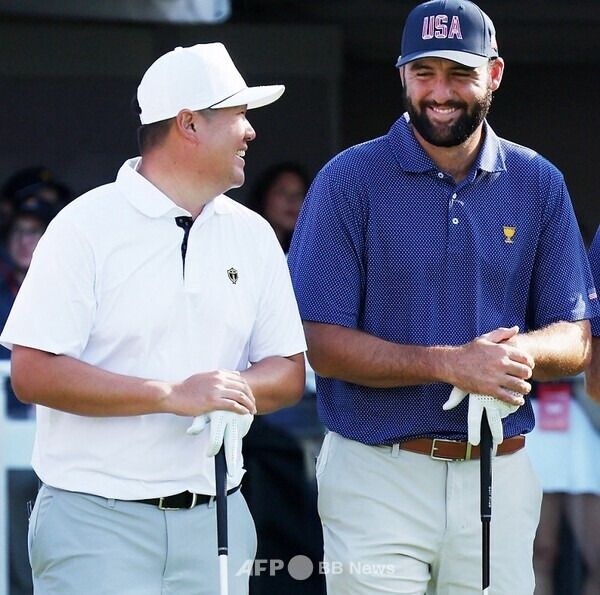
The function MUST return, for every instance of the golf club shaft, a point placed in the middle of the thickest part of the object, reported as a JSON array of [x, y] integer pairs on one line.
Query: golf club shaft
[[221, 498], [486, 500], [223, 580], [485, 567]]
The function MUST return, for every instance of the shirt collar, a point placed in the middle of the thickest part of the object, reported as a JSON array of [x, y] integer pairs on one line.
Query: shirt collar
[[491, 155], [150, 201], [412, 157]]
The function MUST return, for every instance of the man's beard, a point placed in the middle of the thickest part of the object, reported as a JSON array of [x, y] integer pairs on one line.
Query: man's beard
[[453, 134]]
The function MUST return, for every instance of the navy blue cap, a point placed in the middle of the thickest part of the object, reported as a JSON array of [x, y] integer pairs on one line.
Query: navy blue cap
[[37, 207], [456, 30]]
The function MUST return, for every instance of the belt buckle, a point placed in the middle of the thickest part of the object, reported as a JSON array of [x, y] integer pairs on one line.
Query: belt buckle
[[432, 454], [162, 507], [192, 505]]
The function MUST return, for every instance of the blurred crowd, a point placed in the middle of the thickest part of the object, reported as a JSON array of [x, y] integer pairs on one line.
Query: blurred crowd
[[29, 200]]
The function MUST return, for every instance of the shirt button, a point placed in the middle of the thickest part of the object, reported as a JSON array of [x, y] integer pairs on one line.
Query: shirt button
[[455, 221], [440, 174], [454, 195]]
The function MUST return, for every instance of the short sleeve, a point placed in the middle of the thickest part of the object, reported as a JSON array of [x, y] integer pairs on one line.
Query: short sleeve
[[55, 307], [326, 256], [562, 287], [278, 328]]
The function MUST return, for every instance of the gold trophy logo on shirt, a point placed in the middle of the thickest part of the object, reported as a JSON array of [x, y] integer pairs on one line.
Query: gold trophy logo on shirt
[[233, 275], [509, 233]]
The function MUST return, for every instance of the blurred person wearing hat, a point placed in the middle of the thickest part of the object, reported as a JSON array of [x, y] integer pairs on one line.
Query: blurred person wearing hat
[[27, 224], [432, 263], [36, 181], [31, 182], [151, 301]]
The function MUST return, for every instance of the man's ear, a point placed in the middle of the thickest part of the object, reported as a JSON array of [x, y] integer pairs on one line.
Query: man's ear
[[496, 72], [186, 123], [401, 73]]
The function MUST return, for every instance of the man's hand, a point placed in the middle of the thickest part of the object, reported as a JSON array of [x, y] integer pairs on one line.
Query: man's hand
[[494, 408], [491, 365], [223, 390], [226, 428]]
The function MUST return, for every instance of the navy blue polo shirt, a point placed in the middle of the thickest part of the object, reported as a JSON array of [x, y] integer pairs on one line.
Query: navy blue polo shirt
[[594, 256], [388, 244]]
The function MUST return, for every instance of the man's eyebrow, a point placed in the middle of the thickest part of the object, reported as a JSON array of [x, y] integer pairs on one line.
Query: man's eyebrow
[[462, 68], [456, 67], [419, 64]]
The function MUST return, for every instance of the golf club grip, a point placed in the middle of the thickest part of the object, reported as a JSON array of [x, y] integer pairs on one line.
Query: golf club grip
[[486, 469], [221, 497]]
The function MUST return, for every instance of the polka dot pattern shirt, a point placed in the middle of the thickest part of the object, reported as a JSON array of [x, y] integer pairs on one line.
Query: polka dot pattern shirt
[[594, 256], [388, 244]]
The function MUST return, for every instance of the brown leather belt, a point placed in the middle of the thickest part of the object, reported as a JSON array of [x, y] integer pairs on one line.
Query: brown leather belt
[[456, 450]]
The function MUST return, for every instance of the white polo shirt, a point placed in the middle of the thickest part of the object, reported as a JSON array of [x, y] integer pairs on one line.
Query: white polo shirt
[[107, 286]]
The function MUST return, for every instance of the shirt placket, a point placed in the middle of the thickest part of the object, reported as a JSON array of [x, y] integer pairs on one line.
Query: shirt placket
[[456, 218], [186, 224], [456, 223]]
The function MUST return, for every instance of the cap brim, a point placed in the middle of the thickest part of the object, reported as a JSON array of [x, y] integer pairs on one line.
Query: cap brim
[[464, 58], [253, 97]]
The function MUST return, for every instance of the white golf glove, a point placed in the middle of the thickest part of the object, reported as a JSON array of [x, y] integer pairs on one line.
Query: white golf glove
[[495, 410], [226, 427]]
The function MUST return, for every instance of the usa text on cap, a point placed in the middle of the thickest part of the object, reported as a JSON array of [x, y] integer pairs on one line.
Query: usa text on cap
[[456, 30]]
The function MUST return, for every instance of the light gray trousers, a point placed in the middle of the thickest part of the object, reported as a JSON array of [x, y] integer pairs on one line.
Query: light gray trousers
[[83, 544]]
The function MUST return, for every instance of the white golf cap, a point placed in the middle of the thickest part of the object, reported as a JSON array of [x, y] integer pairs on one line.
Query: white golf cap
[[198, 77]]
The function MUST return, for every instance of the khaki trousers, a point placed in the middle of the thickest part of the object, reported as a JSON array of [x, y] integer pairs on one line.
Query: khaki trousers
[[404, 523]]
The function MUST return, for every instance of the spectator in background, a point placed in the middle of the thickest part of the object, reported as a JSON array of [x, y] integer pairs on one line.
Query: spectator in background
[[563, 448], [26, 183], [278, 195], [29, 220], [30, 201], [281, 447]]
